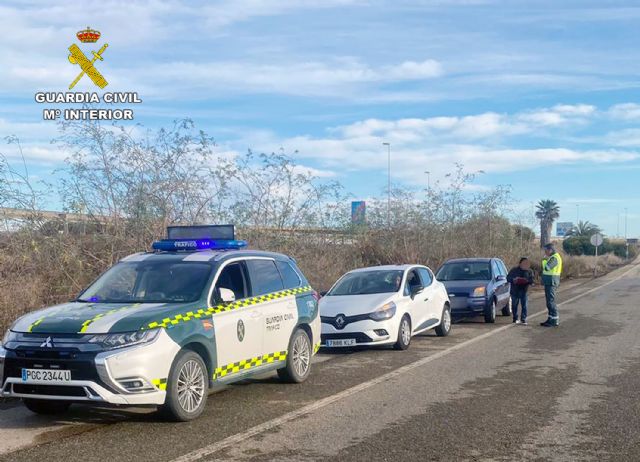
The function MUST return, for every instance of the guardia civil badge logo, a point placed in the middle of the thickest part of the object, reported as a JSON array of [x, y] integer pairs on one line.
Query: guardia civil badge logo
[[77, 57], [95, 106]]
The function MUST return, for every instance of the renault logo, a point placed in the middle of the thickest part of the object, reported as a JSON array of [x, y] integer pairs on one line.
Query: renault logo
[[340, 321], [48, 343]]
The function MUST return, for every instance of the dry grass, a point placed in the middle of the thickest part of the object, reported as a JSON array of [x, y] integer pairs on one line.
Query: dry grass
[[40, 270]]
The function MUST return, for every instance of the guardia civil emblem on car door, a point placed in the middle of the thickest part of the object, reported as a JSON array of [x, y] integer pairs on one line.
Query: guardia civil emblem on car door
[[240, 330]]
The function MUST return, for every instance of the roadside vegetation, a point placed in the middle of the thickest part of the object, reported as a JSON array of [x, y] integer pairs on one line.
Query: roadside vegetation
[[128, 185]]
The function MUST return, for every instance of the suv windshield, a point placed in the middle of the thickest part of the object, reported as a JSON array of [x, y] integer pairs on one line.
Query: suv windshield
[[465, 271], [368, 282], [149, 282]]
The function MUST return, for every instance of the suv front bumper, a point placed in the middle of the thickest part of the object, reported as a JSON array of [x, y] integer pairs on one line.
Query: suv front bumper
[[133, 375]]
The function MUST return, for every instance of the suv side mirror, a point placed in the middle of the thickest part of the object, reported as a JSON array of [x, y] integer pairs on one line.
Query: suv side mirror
[[416, 289], [226, 295]]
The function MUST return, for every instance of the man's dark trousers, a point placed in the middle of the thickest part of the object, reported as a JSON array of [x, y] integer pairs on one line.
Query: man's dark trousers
[[521, 298], [550, 297]]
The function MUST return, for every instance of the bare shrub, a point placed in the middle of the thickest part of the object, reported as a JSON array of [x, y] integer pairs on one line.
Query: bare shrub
[[131, 183]]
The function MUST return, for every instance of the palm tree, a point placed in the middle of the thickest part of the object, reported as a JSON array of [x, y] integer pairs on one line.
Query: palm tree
[[583, 229], [547, 212]]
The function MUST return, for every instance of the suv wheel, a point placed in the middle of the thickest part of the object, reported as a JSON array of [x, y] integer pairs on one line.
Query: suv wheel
[[46, 407], [298, 358], [445, 323], [187, 387], [404, 334], [490, 312], [506, 310]]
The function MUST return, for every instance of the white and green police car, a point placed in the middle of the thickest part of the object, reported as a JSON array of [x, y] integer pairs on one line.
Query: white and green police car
[[165, 327]]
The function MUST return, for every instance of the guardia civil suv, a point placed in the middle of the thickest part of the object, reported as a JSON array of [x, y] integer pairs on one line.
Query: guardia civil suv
[[164, 327]]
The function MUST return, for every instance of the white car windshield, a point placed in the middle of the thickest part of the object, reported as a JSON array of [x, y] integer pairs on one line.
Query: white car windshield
[[149, 282], [368, 282]]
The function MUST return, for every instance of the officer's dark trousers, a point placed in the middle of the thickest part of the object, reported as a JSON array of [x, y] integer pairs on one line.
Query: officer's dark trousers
[[550, 297]]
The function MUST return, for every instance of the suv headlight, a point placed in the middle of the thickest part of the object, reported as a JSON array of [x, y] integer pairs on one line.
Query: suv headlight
[[8, 336], [479, 292], [112, 341], [386, 311]]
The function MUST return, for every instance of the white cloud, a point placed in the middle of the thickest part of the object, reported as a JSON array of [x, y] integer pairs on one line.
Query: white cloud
[[629, 137], [625, 111], [489, 141]]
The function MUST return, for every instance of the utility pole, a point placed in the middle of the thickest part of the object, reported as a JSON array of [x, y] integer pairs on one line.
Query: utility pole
[[388, 145], [577, 214], [428, 180]]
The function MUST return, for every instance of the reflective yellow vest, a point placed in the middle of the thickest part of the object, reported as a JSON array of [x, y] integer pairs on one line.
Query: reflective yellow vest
[[556, 270]]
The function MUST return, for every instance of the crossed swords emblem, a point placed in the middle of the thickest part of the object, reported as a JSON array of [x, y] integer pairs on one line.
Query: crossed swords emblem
[[79, 58]]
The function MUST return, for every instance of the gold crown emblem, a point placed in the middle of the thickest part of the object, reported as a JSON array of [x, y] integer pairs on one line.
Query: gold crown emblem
[[88, 35]]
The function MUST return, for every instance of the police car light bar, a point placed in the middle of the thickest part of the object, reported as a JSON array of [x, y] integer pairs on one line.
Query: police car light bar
[[198, 244]]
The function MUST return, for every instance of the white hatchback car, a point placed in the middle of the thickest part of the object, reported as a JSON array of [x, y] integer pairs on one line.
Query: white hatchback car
[[384, 305]]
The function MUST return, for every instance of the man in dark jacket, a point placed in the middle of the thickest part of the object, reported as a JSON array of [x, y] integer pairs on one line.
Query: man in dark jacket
[[520, 277]]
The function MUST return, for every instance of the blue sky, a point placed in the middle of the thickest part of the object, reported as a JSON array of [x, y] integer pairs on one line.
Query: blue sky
[[542, 96]]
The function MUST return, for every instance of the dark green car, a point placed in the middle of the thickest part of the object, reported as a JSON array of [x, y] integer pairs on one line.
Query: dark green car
[[163, 328]]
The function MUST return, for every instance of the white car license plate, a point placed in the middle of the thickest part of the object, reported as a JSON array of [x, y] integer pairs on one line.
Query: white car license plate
[[45, 376], [343, 342]]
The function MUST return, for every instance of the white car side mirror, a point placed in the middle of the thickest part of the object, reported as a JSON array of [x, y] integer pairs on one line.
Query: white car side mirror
[[227, 295]]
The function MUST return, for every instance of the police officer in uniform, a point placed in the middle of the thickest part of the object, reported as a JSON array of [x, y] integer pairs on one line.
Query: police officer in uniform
[[551, 270]]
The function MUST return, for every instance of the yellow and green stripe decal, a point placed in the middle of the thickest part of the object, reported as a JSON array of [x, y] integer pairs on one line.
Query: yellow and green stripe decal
[[197, 314], [160, 384], [316, 347], [88, 322], [249, 364], [30, 329]]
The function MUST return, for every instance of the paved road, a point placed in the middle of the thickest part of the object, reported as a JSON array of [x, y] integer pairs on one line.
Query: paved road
[[487, 392]]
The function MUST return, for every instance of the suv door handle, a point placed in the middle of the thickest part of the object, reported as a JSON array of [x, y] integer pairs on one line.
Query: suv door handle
[[255, 314], [426, 299]]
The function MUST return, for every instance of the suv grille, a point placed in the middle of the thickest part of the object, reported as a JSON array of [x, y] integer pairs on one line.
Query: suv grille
[[50, 390]]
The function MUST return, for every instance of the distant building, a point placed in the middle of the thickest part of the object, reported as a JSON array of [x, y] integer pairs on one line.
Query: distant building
[[563, 228]]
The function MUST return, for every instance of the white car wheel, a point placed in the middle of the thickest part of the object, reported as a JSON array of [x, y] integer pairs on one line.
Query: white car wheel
[[404, 334]]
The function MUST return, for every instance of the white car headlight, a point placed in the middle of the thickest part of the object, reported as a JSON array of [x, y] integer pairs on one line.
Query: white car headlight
[[386, 311], [111, 341]]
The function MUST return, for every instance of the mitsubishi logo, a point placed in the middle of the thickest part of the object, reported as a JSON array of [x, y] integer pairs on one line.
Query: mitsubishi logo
[[48, 343], [340, 321]]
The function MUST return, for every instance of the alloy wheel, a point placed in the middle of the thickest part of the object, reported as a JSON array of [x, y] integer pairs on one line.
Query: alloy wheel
[[301, 355], [191, 386]]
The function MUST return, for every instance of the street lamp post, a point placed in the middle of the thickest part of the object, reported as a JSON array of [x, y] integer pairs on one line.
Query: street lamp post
[[626, 242], [388, 145], [577, 214], [428, 179]]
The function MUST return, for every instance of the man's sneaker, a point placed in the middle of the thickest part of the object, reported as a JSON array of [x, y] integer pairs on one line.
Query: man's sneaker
[[547, 323], [517, 321], [524, 322]]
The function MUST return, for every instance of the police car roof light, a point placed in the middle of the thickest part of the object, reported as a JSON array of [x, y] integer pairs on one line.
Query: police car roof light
[[198, 244]]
